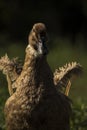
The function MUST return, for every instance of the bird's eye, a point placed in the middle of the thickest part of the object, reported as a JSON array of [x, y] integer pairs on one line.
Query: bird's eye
[[42, 36]]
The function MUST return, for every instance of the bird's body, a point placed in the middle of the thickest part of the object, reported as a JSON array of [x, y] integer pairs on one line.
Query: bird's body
[[36, 104]]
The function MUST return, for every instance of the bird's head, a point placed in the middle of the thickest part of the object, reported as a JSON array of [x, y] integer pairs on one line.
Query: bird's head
[[37, 40]]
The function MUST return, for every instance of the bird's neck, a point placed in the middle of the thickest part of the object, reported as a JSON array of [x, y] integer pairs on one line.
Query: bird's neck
[[36, 65], [36, 73], [29, 62]]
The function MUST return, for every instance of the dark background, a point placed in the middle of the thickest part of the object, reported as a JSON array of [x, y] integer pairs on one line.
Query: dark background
[[66, 18]]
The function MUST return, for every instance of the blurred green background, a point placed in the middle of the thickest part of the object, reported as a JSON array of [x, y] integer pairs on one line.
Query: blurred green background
[[66, 22]]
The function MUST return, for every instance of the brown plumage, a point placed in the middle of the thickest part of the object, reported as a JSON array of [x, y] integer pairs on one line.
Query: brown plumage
[[12, 69], [36, 104], [64, 75]]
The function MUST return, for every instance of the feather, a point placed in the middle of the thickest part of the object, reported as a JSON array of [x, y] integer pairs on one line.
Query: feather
[[11, 69], [64, 74]]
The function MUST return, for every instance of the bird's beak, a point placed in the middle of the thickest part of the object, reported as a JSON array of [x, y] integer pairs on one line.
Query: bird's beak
[[45, 49], [44, 40]]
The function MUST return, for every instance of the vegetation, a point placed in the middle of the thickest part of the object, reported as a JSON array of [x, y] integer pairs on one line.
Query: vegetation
[[79, 116]]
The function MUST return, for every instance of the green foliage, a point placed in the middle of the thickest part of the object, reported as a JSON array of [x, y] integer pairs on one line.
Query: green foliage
[[79, 116]]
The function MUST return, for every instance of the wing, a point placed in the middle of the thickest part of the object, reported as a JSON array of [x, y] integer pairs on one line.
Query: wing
[[12, 69], [64, 75]]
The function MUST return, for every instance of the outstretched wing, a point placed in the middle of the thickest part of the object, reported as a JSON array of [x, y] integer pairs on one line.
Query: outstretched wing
[[63, 75], [11, 68]]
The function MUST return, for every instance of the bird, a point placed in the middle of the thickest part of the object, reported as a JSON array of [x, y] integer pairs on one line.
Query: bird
[[63, 76], [36, 104]]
